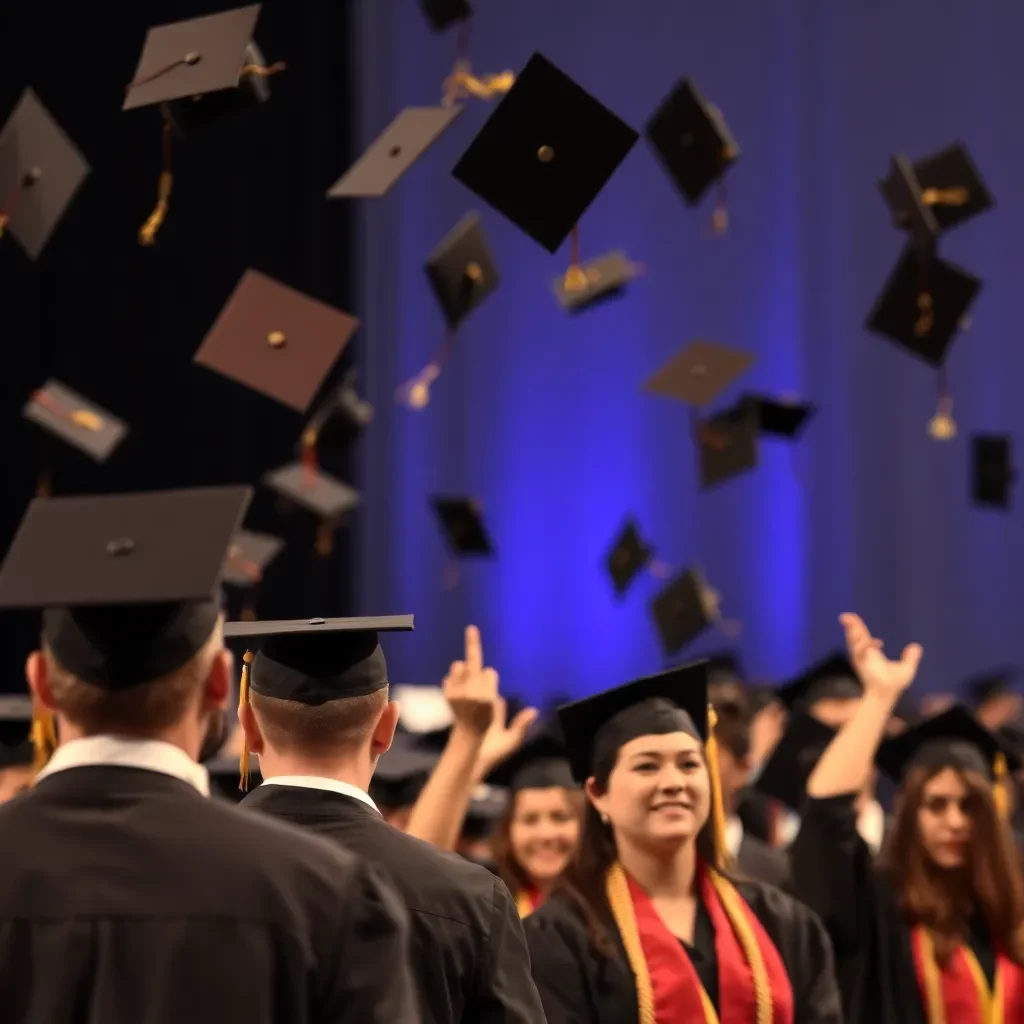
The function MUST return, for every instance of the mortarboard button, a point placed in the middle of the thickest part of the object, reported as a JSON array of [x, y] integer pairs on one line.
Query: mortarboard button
[[40, 171], [601, 279], [545, 153], [394, 151], [462, 523], [315, 491], [780, 417], [727, 443], [903, 192], [442, 14], [249, 556], [992, 470], [922, 305], [683, 610], [692, 140], [461, 270], [699, 372], [628, 557], [276, 340], [67, 415]]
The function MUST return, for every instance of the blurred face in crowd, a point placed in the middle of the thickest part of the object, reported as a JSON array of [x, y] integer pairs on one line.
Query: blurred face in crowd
[[543, 832], [1000, 710], [734, 773], [766, 729], [944, 819]]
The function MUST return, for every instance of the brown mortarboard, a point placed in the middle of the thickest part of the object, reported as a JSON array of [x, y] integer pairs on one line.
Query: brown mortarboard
[[463, 525], [992, 471], [692, 140], [545, 153], [683, 610], [923, 304], [394, 151], [903, 193], [727, 443], [630, 554], [40, 172], [67, 415], [249, 556], [276, 340], [442, 14], [950, 186], [316, 491], [603, 278], [699, 372], [461, 270], [780, 417]]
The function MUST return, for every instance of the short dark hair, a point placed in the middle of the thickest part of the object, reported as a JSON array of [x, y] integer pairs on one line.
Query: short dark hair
[[296, 728], [733, 729]]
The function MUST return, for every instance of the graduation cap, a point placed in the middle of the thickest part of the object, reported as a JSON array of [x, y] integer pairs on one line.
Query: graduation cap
[[461, 270], [683, 610], [41, 170], [487, 804], [442, 14], [16, 749], [950, 187], [629, 555], [309, 487], [127, 583], [727, 445], [545, 153], [922, 305], [831, 678], [423, 712], [393, 152], [540, 763], [784, 775], [599, 280], [692, 141], [779, 417], [463, 526], [339, 418], [401, 773], [84, 425], [903, 192], [699, 372], [276, 340], [249, 556], [725, 665], [992, 471], [992, 685]]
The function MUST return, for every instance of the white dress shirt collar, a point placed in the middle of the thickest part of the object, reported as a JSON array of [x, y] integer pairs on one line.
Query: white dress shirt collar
[[733, 836], [149, 755], [318, 782]]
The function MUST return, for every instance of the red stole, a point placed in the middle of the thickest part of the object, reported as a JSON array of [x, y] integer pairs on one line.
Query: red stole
[[676, 986], [958, 993], [528, 900]]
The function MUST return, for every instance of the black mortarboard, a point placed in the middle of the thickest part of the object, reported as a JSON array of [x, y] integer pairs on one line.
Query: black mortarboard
[[785, 773], [604, 278], [82, 424], [992, 471], [40, 172], [986, 687], [341, 414], [903, 193], [312, 489], [898, 315], [463, 525], [486, 805], [954, 739], [313, 661], [540, 763], [127, 583], [724, 666], [630, 554], [248, 557], [950, 187], [401, 773], [596, 727], [699, 372], [442, 14], [16, 748], [1013, 736], [545, 153], [461, 270], [727, 445], [780, 417], [832, 678], [192, 58], [276, 340], [692, 140], [393, 152], [683, 610]]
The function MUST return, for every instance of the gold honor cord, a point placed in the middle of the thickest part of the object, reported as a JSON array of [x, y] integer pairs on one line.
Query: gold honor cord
[[990, 1002]]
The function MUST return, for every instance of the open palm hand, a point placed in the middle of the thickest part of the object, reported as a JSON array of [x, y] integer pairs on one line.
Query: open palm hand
[[878, 673]]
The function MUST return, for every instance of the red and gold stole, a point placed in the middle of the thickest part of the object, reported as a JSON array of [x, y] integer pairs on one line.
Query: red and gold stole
[[753, 987], [527, 901], [959, 993]]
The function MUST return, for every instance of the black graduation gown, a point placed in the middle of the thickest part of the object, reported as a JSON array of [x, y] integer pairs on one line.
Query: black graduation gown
[[469, 954], [126, 897], [755, 811], [579, 987], [834, 873], [762, 863]]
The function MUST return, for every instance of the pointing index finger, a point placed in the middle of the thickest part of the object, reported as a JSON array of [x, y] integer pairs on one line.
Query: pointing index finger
[[474, 651]]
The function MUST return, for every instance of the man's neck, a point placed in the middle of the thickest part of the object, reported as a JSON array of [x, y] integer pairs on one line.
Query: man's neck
[[348, 770], [664, 872], [184, 737]]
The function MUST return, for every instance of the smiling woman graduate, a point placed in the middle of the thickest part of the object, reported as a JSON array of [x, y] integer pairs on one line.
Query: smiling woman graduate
[[646, 925]]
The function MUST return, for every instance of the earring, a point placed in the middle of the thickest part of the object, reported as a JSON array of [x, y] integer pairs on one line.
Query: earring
[[604, 818]]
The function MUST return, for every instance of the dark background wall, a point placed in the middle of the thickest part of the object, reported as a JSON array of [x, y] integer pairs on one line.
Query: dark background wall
[[120, 323]]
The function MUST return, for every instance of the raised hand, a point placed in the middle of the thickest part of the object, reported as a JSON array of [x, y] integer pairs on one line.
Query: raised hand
[[503, 738], [878, 673], [471, 689]]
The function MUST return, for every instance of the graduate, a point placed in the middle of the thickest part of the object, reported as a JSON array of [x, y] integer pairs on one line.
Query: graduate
[[647, 926], [537, 835], [933, 933]]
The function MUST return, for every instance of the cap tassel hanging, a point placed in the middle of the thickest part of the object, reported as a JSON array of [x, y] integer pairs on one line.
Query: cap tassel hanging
[[261, 71], [416, 393], [310, 462], [1001, 787], [147, 233], [717, 805], [461, 83], [719, 223], [243, 699], [942, 426], [576, 279], [43, 735]]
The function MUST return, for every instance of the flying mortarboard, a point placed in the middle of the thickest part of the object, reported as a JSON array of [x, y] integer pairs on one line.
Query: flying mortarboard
[[699, 372], [67, 415], [630, 554], [463, 525], [40, 172], [903, 192], [728, 445], [545, 153], [780, 417], [992, 471], [785, 773], [442, 14], [394, 151], [249, 556], [16, 748], [127, 583], [461, 270], [683, 610], [276, 340], [338, 419], [600, 279], [316, 491], [831, 678], [692, 140]]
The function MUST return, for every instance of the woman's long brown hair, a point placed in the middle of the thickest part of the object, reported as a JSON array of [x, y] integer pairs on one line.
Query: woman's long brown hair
[[943, 902]]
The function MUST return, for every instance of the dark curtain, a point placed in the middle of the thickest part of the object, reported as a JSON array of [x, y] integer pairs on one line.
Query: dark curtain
[[120, 323]]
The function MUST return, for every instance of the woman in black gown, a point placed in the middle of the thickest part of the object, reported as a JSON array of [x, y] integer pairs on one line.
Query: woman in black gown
[[645, 927]]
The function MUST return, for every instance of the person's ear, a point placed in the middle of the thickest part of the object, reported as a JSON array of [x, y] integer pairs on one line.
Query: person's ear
[[384, 731], [597, 798], [218, 688], [39, 680], [252, 735]]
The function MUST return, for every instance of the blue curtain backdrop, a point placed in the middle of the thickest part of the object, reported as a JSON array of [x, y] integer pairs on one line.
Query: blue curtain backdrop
[[541, 417]]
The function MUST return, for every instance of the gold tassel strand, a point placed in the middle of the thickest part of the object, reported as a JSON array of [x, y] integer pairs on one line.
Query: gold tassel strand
[[147, 233], [1001, 786], [717, 801], [243, 699], [44, 736]]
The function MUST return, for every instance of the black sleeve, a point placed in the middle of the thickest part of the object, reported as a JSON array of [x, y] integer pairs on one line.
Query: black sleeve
[[367, 976], [560, 962], [816, 995], [505, 993]]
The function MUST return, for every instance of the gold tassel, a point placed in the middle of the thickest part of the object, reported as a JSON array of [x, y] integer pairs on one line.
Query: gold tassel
[[325, 539], [1001, 786], [717, 804], [263, 72], [243, 699], [524, 905], [147, 233], [44, 736]]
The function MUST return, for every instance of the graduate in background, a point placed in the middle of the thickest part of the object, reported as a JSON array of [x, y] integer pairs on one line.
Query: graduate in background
[[935, 933], [645, 927], [17, 754]]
